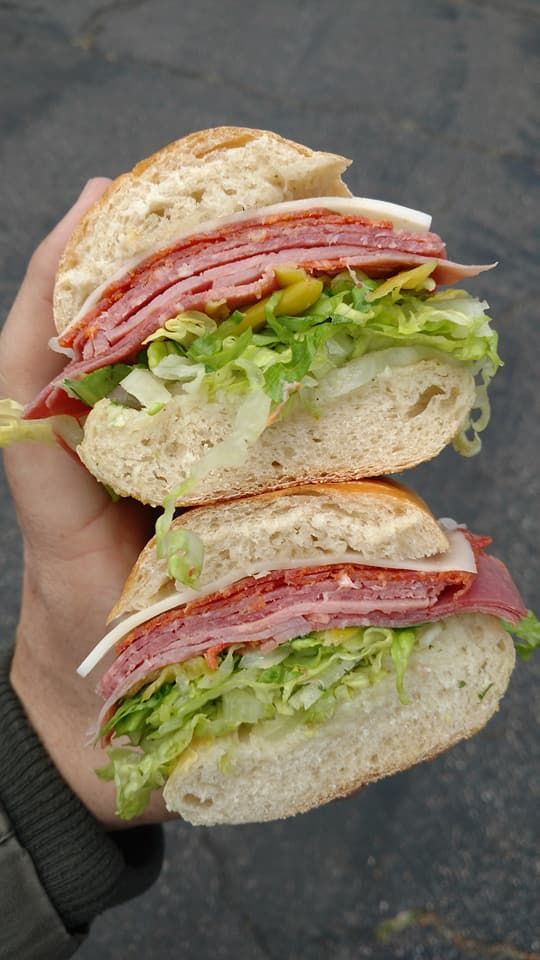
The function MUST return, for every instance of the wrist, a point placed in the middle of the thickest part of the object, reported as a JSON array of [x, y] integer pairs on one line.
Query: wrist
[[61, 718], [81, 869], [63, 709]]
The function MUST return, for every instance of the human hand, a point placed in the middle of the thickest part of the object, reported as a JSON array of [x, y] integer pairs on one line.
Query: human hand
[[79, 546]]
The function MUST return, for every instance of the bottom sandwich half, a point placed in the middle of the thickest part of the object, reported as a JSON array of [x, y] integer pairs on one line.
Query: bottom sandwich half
[[337, 633]]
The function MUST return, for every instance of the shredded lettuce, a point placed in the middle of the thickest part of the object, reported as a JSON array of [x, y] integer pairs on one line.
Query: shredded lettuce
[[98, 384], [146, 388], [184, 328], [340, 381], [183, 549], [403, 643], [528, 631], [13, 429], [300, 682]]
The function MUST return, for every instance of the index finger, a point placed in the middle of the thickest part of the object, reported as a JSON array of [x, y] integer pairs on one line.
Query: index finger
[[26, 365]]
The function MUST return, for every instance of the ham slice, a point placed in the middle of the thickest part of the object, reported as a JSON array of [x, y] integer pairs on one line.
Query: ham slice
[[291, 603], [234, 263]]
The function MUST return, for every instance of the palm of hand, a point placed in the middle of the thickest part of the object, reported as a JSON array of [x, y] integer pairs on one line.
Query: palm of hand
[[78, 545]]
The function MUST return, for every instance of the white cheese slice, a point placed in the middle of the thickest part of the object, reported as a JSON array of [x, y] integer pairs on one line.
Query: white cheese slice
[[402, 218], [460, 556]]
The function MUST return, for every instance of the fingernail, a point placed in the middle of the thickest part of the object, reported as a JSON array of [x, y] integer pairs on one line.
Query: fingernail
[[90, 186], [86, 189]]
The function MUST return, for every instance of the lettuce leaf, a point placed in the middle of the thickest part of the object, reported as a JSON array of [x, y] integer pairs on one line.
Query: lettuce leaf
[[403, 643], [183, 549], [13, 429], [528, 631], [98, 384], [300, 682], [146, 388], [183, 328]]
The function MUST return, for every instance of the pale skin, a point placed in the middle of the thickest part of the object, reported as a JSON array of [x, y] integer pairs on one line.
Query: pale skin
[[79, 546]]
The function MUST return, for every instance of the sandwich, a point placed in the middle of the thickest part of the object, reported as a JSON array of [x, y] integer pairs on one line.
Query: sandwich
[[337, 633], [235, 321]]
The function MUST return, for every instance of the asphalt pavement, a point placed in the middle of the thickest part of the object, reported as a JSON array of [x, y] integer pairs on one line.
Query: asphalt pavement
[[437, 104]]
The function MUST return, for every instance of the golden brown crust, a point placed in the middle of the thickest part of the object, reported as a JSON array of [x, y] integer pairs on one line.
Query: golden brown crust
[[339, 484], [204, 142], [334, 481]]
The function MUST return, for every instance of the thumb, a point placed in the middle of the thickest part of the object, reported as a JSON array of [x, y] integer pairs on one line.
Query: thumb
[[26, 364]]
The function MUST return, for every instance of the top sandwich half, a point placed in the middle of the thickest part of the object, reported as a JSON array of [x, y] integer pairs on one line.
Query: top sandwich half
[[235, 321]]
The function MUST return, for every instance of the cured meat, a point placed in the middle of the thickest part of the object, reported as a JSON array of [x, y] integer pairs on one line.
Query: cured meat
[[291, 603], [234, 263], [230, 243], [53, 398]]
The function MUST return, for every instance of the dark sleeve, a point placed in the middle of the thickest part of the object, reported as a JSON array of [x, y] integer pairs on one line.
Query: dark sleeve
[[59, 868]]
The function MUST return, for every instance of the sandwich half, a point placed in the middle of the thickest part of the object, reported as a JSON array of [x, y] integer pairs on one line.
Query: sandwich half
[[337, 633], [235, 322]]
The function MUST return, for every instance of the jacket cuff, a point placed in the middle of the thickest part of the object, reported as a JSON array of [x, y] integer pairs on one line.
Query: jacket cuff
[[82, 868]]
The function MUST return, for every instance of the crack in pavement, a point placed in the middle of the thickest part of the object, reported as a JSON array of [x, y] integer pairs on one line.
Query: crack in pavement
[[429, 920], [91, 25], [236, 910]]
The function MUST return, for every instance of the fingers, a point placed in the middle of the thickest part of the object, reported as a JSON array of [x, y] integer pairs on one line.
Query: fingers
[[53, 494], [26, 364]]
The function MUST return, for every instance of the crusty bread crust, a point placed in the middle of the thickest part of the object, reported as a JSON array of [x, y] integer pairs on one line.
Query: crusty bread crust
[[206, 175], [378, 520], [405, 416], [454, 686]]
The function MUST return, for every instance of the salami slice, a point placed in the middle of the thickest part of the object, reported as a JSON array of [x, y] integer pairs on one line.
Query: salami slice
[[291, 603]]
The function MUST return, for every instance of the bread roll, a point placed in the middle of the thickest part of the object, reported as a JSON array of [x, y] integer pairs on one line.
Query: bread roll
[[402, 416]]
